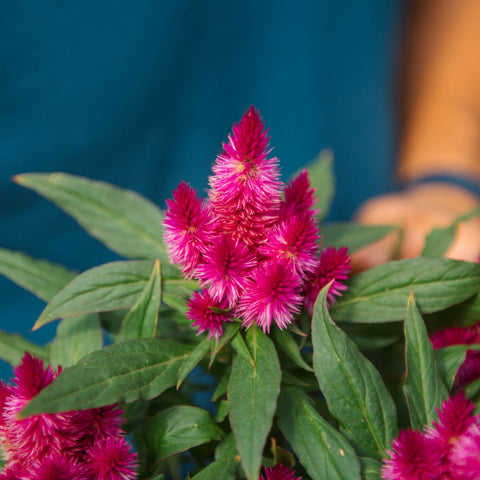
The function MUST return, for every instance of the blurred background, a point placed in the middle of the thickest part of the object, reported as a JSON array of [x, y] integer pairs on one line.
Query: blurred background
[[142, 95]]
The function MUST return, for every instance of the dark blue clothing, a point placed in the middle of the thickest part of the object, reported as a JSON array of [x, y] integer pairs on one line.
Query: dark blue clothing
[[142, 94]]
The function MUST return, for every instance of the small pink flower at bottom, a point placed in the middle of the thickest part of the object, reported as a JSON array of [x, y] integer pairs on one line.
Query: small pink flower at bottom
[[333, 265], [203, 311], [279, 472], [58, 467], [413, 457], [465, 456], [112, 459], [273, 294]]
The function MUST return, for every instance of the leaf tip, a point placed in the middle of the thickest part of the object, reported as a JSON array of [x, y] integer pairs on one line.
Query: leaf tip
[[18, 179]]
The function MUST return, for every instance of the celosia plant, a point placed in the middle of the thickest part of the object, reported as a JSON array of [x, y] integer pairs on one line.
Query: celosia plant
[[239, 343]]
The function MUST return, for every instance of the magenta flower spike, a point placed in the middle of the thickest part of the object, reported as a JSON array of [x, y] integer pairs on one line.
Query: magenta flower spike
[[333, 265], [299, 197], [465, 456], [279, 472], [245, 187], [273, 294], [57, 467]]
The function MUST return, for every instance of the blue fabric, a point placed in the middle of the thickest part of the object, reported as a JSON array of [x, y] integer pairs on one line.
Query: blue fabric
[[141, 94]]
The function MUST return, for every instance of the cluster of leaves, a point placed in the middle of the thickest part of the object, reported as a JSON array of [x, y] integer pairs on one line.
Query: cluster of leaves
[[335, 397]]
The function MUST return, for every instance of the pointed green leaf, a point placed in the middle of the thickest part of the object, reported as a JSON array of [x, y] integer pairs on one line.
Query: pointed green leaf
[[439, 239], [290, 347], [42, 278], [229, 331], [193, 360], [449, 359], [75, 338], [111, 286], [355, 393], [322, 178], [14, 346], [225, 465], [353, 235], [252, 395], [424, 388], [179, 428], [238, 343], [321, 449], [123, 372], [123, 220], [141, 320], [381, 294]]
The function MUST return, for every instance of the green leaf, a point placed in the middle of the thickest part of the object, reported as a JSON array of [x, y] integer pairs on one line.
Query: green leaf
[[176, 292], [111, 286], [449, 359], [238, 343], [222, 411], [371, 469], [13, 347], [381, 294], [353, 235], [321, 449], [193, 360], [424, 389], [42, 278], [354, 390], [123, 220], [252, 395], [179, 428], [141, 320], [123, 372], [439, 240], [286, 342], [229, 331], [222, 385], [225, 465], [320, 172], [75, 338]]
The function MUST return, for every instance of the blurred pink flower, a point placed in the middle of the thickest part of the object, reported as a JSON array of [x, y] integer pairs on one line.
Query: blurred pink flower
[[465, 455], [279, 472], [333, 265]]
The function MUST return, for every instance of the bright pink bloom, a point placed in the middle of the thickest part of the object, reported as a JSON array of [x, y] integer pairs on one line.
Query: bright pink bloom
[[273, 294], [295, 240], [208, 314], [454, 419], [11, 472], [299, 197], [465, 456], [456, 336], [245, 188], [413, 457], [57, 467], [188, 228], [279, 472], [225, 269], [112, 459], [333, 265]]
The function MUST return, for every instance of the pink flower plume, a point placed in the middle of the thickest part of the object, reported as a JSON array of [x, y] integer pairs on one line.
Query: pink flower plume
[[299, 196], [273, 294], [465, 456], [333, 265], [279, 472]]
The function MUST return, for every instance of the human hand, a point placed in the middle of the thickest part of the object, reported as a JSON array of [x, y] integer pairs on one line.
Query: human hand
[[417, 211]]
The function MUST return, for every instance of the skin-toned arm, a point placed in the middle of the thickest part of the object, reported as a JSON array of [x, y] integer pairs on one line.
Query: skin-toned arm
[[440, 131]]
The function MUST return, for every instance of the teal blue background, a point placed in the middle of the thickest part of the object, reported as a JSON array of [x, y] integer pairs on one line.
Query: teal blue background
[[142, 94]]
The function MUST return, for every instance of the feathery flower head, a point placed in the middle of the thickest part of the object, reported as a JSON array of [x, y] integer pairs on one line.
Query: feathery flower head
[[333, 265], [454, 419], [413, 458], [188, 228], [294, 240], [208, 314], [279, 472], [225, 269], [456, 336], [57, 467], [273, 294], [245, 188], [112, 459], [465, 456], [299, 196]]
